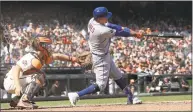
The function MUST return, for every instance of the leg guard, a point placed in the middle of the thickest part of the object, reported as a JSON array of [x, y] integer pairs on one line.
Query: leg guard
[[40, 78], [33, 88], [30, 91]]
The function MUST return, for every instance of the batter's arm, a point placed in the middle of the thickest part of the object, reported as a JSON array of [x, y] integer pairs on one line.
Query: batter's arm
[[123, 31]]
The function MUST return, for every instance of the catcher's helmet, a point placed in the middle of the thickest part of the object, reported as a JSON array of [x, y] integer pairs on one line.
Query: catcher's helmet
[[42, 44], [101, 12]]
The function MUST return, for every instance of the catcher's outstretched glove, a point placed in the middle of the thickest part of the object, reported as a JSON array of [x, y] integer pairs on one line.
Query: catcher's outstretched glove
[[85, 59]]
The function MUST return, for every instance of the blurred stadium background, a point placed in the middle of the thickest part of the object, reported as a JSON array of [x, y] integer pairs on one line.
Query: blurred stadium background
[[159, 66]]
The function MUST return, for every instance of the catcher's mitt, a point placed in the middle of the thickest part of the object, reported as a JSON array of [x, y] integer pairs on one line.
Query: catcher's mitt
[[85, 59]]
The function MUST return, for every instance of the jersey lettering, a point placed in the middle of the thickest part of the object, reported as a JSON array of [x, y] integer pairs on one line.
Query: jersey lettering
[[91, 28]]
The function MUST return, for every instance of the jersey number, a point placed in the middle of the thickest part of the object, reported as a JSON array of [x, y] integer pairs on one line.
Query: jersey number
[[91, 28], [24, 62]]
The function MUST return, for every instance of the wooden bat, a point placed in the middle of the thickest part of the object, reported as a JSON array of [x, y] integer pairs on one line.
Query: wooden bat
[[164, 35]]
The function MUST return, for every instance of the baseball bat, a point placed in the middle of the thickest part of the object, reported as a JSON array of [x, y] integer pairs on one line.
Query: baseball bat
[[164, 35]]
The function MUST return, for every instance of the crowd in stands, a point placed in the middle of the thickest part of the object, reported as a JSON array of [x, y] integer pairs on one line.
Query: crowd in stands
[[149, 54]]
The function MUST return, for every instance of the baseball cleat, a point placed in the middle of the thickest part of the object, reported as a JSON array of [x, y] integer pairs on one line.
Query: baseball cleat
[[137, 101], [13, 103], [73, 97], [25, 104]]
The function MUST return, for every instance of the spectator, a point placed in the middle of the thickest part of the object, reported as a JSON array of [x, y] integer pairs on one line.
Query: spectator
[[150, 55], [166, 86], [184, 85], [54, 90]]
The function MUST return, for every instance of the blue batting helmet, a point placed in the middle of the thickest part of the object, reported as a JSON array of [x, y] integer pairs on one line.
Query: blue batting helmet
[[101, 12]]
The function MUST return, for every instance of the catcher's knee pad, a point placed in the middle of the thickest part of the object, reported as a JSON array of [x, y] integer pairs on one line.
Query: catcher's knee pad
[[40, 78], [39, 81], [30, 90]]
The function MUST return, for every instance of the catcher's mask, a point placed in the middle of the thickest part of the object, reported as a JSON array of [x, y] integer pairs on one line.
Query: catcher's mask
[[42, 44]]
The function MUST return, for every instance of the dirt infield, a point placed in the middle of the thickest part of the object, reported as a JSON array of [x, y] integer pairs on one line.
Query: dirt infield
[[148, 106]]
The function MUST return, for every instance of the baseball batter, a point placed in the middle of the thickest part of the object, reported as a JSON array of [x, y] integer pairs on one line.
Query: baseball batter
[[100, 33], [26, 78]]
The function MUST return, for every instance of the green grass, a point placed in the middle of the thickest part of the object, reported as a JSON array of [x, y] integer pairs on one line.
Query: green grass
[[109, 101]]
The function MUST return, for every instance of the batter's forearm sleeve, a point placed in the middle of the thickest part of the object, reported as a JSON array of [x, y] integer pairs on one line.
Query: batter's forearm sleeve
[[120, 31], [114, 26], [124, 33]]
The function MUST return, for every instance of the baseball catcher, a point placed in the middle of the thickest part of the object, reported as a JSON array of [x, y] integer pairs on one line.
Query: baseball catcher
[[26, 78]]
